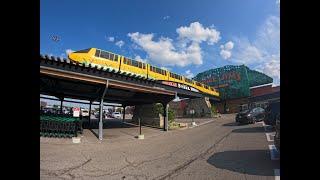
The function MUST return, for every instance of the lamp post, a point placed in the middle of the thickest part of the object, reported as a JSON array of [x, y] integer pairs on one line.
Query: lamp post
[[192, 113]]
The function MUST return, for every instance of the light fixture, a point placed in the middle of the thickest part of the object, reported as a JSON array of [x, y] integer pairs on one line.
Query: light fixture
[[176, 99]]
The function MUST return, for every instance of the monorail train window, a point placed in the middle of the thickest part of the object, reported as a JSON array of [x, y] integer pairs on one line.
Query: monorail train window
[[83, 51], [188, 80], [205, 86], [198, 84], [116, 58], [105, 55], [97, 53], [111, 56], [140, 65], [135, 63], [144, 66]]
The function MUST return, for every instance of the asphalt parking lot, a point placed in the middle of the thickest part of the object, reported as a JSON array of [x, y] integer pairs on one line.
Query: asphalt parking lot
[[219, 149]]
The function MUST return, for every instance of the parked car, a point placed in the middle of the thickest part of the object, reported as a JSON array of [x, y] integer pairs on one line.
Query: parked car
[[250, 116], [272, 111], [277, 136], [84, 112], [116, 115]]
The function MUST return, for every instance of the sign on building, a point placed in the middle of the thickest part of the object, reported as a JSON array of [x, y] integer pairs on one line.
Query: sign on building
[[76, 112]]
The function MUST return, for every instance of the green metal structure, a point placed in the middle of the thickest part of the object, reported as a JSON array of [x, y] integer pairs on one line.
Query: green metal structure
[[233, 81]]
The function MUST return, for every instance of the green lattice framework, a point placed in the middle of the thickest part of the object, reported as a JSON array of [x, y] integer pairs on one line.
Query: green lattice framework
[[233, 81]]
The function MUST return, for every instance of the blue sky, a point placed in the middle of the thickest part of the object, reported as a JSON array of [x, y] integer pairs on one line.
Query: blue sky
[[187, 37]]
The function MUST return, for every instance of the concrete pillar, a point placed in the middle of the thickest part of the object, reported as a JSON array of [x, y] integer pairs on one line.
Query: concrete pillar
[[61, 104], [90, 113], [124, 113], [166, 117], [100, 120]]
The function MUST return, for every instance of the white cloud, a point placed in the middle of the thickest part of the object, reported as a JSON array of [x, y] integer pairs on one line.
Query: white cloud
[[225, 54], [181, 53], [120, 43], [271, 68], [229, 45], [166, 17], [111, 39], [189, 74], [278, 2], [226, 50], [197, 33], [68, 51], [165, 68], [163, 51], [263, 53], [138, 58]]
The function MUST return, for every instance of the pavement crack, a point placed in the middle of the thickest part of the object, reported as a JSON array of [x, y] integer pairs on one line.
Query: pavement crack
[[64, 171], [187, 163]]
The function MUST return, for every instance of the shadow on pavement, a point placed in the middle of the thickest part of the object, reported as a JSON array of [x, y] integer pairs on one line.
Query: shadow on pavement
[[253, 162], [107, 124], [249, 130], [234, 124]]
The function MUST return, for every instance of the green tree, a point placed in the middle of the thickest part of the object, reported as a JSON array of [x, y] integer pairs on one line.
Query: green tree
[[213, 109], [171, 115]]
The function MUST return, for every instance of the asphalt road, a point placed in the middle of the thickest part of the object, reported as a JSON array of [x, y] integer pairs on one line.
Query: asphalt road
[[217, 150]]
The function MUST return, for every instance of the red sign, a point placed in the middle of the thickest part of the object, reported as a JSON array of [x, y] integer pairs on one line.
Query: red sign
[[76, 109], [170, 83]]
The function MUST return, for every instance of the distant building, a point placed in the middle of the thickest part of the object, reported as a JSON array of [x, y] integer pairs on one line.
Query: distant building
[[239, 86]]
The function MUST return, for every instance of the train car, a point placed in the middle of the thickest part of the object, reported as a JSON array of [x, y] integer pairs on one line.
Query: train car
[[134, 67], [175, 78], [188, 82], [157, 73], [120, 63], [96, 57]]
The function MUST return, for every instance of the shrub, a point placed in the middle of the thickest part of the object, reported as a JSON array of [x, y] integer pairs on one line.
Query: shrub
[[214, 109]]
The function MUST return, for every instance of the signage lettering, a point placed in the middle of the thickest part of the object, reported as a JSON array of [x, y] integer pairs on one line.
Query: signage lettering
[[181, 86], [169, 83]]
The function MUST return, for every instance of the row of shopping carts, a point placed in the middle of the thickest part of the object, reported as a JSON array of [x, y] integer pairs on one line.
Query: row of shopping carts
[[59, 125]]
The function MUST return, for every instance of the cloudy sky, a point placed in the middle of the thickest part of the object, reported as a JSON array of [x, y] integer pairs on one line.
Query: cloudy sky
[[186, 37]]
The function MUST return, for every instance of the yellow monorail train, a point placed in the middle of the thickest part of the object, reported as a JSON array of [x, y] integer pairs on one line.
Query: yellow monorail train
[[102, 58]]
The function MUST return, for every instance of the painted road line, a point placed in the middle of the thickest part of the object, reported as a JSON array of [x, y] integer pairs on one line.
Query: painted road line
[[274, 152], [269, 136], [202, 124], [276, 174]]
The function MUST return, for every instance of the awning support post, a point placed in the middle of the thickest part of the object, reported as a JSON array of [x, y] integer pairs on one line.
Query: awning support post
[[101, 112]]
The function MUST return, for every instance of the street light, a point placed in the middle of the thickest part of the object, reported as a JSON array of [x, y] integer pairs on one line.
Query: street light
[[177, 98], [192, 113]]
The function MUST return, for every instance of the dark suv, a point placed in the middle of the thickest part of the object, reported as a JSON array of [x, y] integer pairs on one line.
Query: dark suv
[[272, 111], [250, 116], [277, 136]]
